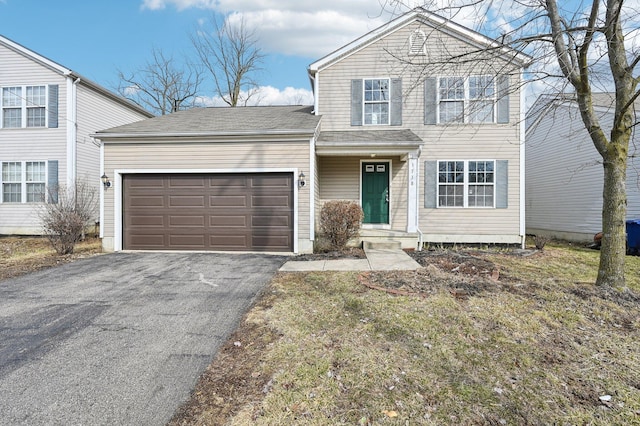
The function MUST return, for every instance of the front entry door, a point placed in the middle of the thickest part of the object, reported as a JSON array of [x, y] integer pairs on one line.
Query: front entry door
[[375, 193]]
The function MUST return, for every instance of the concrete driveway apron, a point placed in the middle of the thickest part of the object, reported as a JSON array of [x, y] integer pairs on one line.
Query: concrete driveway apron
[[120, 338]]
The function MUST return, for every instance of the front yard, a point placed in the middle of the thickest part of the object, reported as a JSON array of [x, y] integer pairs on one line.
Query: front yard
[[473, 338]]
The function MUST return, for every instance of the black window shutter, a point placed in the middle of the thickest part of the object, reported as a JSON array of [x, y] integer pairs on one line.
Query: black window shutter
[[53, 106], [430, 184], [430, 101], [356, 102], [502, 184], [396, 102], [503, 99], [52, 181]]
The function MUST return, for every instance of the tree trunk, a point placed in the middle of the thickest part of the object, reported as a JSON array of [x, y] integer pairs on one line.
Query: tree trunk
[[614, 209]]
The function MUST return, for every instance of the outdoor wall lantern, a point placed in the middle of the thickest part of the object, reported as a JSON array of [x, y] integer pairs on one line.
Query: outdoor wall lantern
[[301, 181], [105, 181]]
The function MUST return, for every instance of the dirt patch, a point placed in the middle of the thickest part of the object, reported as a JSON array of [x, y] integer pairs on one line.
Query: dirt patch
[[348, 253], [23, 255]]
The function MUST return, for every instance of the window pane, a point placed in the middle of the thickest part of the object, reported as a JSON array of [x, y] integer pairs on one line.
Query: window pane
[[450, 195], [11, 192], [12, 171], [480, 196], [451, 112], [36, 117], [376, 113], [451, 88], [35, 171], [12, 97], [481, 111], [35, 192], [36, 96], [12, 117], [481, 87]]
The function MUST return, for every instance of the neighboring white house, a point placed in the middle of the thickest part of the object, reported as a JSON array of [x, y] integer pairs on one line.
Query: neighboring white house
[[564, 171], [433, 157], [47, 113]]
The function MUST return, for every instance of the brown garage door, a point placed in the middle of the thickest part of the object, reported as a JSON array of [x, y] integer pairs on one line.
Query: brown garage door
[[208, 212]]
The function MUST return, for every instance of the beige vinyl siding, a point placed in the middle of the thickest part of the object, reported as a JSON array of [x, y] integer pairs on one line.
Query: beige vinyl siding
[[30, 144], [340, 180], [565, 177], [442, 141], [210, 157], [96, 112]]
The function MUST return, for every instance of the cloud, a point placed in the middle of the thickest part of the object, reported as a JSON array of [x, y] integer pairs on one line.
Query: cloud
[[266, 95]]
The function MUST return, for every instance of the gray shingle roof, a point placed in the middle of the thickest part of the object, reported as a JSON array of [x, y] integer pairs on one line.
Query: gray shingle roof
[[220, 120], [401, 135]]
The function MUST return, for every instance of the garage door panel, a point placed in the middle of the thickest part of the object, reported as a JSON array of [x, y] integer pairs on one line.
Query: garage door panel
[[197, 221], [228, 201], [228, 221], [186, 201], [271, 201], [208, 212]]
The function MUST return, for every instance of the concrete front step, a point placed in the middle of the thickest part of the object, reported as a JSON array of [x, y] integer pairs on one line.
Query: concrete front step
[[382, 245]]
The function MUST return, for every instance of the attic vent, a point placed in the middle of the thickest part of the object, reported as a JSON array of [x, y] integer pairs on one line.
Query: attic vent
[[418, 43]]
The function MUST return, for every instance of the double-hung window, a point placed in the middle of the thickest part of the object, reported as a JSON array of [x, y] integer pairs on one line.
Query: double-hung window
[[24, 106], [376, 101], [23, 181], [468, 183], [467, 100]]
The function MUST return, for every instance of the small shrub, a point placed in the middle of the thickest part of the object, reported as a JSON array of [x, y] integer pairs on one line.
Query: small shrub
[[340, 221], [67, 214], [540, 241]]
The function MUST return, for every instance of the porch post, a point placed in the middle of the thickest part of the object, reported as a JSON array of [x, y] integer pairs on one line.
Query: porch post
[[412, 204]]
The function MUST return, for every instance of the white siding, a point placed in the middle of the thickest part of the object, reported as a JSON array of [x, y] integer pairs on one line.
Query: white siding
[[565, 178], [29, 144], [441, 142]]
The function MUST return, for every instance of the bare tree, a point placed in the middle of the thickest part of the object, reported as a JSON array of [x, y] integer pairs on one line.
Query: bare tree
[[162, 86], [230, 52], [580, 47]]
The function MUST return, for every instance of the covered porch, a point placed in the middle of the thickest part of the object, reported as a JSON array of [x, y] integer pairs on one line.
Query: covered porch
[[378, 169]]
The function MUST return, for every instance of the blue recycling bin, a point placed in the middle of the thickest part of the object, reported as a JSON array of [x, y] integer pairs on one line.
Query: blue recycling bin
[[633, 236]]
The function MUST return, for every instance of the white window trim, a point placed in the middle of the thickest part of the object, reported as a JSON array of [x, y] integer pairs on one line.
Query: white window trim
[[23, 181], [465, 184], [24, 107], [365, 102], [467, 100]]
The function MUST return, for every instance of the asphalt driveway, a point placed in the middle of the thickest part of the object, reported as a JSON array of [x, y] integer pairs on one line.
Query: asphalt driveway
[[119, 338]]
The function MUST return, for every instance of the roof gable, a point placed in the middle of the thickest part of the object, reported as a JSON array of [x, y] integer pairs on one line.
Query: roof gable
[[30, 54], [427, 18]]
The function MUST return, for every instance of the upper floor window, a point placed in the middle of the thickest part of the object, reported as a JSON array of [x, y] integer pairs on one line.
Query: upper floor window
[[418, 43], [23, 181], [467, 100], [24, 106], [376, 101], [466, 183]]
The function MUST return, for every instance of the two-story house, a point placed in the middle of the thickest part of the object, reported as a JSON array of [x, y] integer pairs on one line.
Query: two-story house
[[47, 113], [418, 121]]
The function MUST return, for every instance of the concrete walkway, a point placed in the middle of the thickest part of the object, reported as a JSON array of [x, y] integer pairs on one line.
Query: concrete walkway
[[377, 260]]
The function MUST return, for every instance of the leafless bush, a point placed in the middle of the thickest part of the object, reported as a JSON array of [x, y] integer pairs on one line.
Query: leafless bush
[[66, 215], [340, 221], [540, 241]]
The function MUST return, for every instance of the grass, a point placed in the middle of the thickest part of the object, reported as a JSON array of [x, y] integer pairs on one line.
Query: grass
[[540, 349]]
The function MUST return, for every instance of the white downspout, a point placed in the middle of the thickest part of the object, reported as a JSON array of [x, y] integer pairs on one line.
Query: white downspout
[[101, 190], [72, 130], [523, 228]]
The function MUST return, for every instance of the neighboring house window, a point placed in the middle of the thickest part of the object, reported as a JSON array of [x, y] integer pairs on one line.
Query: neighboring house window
[[466, 183], [376, 101], [23, 181], [24, 106], [473, 99], [418, 43]]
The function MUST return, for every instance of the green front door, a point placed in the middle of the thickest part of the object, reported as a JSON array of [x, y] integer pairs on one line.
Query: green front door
[[375, 192]]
